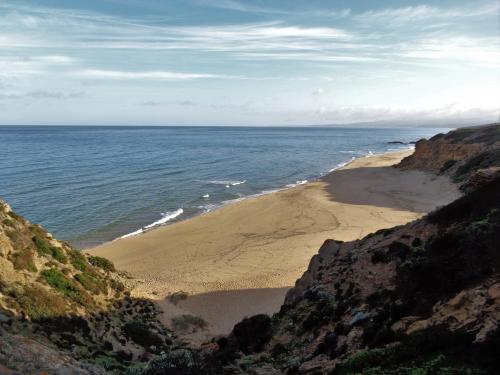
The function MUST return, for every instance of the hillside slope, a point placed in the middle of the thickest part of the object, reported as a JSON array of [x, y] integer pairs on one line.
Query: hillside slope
[[64, 311], [423, 298]]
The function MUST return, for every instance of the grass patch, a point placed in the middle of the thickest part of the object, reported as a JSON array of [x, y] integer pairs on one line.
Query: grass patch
[[57, 280], [183, 322], [93, 284], [24, 260], [78, 260], [44, 248], [141, 334], [102, 263]]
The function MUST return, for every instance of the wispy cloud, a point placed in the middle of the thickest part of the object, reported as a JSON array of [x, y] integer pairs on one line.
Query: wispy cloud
[[155, 103], [128, 75], [356, 55], [245, 7], [424, 12], [42, 94]]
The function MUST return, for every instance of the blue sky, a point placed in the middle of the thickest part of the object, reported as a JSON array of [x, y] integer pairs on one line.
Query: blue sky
[[235, 62]]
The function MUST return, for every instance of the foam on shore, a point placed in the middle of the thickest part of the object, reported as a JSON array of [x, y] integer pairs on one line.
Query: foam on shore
[[166, 217]]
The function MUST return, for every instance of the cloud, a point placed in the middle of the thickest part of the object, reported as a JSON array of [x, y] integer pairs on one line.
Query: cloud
[[42, 94], [154, 75], [405, 114], [249, 8], [54, 94], [424, 12], [55, 59], [154, 103], [187, 103]]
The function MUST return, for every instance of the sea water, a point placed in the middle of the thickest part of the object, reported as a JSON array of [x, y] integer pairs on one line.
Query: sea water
[[88, 185]]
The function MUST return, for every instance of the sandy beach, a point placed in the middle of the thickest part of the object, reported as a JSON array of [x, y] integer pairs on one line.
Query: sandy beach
[[241, 259]]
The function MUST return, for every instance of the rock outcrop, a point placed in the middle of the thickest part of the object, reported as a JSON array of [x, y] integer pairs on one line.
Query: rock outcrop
[[459, 154]]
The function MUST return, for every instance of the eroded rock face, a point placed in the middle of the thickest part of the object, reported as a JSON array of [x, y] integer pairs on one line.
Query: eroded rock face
[[458, 154]]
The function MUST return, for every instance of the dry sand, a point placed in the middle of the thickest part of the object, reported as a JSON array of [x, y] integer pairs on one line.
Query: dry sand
[[241, 259]]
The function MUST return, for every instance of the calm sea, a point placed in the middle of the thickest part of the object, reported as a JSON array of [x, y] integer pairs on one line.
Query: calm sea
[[88, 185]]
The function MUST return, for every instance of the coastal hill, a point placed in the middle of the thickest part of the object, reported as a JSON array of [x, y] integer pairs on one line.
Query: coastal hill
[[65, 312], [419, 298]]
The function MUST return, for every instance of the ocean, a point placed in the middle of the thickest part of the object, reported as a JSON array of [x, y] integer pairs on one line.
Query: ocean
[[92, 184]]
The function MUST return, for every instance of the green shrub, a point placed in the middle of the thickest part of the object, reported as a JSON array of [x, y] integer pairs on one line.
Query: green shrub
[[65, 286], [433, 366], [103, 263], [178, 361], [93, 284], [78, 260], [141, 334], [183, 322], [44, 248], [365, 359], [58, 254]]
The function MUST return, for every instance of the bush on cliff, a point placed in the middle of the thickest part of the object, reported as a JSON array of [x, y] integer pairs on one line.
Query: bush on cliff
[[141, 334], [65, 286], [102, 263], [44, 248]]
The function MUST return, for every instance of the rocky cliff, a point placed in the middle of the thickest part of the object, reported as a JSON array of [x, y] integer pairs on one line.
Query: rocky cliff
[[423, 298], [460, 154]]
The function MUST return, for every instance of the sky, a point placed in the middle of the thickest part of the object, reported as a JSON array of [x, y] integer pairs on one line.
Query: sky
[[235, 62]]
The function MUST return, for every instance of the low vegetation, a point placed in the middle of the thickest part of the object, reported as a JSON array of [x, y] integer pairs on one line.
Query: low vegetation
[[102, 263], [187, 321], [56, 279], [141, 334], [93, 283], [176, 297], [24, 260], [38, 303], [44, 248]]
